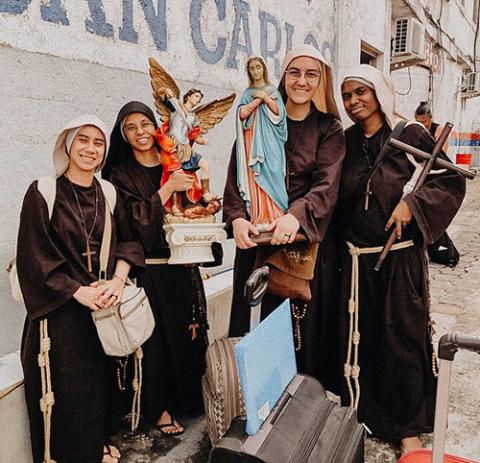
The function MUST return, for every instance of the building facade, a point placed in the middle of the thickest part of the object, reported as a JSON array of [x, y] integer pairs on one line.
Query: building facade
[[62, 58]]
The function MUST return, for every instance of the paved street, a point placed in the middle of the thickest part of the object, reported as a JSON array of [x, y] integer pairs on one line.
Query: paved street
[[455, 307]]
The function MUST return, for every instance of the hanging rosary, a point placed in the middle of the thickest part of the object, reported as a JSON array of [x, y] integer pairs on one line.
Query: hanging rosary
[[88, 252], [298, 314], [199, 314], [122, 373]]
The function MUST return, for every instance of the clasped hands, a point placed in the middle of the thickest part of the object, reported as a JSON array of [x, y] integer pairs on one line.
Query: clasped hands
[[262, 95], [284, 231], [100, 295]]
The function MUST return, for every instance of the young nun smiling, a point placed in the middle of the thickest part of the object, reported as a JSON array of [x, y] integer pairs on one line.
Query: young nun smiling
[[58, 268], [314, 152]]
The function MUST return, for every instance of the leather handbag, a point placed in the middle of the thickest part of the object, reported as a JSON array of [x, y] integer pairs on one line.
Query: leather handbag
[[123, 327], [291, 269]]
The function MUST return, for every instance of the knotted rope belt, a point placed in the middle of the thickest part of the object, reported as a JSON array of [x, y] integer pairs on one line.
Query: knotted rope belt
[[137, 388], [48, 399], [351, 369]]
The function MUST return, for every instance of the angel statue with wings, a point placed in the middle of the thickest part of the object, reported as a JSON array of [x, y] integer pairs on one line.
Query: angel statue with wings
[[184, 122]]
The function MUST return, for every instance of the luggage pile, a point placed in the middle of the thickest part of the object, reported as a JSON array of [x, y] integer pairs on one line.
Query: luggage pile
[[302, 426]]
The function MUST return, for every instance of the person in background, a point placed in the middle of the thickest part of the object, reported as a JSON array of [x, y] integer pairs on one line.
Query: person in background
[[424, 115]]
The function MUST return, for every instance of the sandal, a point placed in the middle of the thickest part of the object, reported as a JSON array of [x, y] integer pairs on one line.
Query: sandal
[[172, 424], [112, 453]]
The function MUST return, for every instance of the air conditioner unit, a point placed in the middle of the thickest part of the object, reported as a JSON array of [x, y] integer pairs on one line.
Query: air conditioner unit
[[408, 40], [471, 83]]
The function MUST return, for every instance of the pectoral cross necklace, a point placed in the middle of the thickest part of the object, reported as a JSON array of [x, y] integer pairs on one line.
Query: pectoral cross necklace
[[88, 251]]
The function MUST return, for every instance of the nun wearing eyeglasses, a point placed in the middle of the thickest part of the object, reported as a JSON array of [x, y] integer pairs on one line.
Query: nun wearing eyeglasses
[[314, 151], [387, 354]]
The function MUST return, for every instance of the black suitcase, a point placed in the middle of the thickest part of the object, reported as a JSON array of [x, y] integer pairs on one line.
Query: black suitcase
[[303, 427]]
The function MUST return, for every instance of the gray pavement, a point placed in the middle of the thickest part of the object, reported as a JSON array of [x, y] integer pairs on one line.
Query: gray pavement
[[455, 305]]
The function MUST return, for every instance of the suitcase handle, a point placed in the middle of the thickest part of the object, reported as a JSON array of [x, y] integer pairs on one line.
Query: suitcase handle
[[256, 286], [451, 342]]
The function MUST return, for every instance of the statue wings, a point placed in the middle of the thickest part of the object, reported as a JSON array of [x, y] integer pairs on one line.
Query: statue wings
[[161, 80], [213, 113], [207, 115]]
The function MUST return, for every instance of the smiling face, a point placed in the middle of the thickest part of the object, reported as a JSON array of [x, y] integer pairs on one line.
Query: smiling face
[[302, 79], [360, 101], [87, 150], [139, 130]]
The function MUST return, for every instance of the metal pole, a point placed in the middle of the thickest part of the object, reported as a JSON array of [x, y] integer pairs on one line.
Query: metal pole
[[441, 411]]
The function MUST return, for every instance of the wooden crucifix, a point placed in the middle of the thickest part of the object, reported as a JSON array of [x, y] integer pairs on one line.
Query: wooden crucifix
[[88, 254], [431, 160]]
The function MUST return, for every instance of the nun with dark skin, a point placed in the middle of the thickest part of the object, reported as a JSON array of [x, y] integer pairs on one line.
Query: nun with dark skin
[[58, 268], [387, 357], [173, 362]]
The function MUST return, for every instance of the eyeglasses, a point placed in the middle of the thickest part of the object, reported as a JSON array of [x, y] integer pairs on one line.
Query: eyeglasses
[[295, 74], [132, 128]]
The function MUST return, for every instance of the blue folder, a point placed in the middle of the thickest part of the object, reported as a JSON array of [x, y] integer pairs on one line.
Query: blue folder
[[266, 365]]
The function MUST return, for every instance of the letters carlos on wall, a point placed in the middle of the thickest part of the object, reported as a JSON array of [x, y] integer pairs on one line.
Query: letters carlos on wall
[[235, 25]]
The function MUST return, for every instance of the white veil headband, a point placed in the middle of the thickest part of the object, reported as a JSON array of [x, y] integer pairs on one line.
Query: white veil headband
[[324, 98], [60, 156]]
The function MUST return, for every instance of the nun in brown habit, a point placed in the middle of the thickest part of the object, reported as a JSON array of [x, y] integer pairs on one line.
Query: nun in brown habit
[[314, 152], [387, 355], [174, 356], [58, 267]]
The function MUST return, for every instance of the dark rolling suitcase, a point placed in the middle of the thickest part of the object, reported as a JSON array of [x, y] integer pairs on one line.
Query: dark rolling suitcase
[[303, 427]]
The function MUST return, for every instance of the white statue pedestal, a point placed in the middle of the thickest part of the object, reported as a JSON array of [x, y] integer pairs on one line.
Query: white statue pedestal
[[191, 243]]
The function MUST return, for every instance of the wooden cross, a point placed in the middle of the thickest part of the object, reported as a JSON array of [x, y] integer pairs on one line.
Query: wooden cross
[[88, 254], [431, 160]]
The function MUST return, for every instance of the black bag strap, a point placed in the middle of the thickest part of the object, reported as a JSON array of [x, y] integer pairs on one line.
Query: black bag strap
[[386, 148]]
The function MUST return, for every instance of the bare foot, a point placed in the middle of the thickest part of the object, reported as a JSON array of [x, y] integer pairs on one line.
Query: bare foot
[[110, 454], [410, 443], [168, 425]]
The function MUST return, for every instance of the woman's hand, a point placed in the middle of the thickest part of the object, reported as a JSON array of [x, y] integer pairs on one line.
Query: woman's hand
[[284, 229], [89, 296], [401, 216], [111, 291], [180, 181], [241, 233]]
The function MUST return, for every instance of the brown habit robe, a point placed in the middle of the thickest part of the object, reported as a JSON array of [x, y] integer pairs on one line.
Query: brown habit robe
[[397, 384], [50, 270], [173, 363], [314, 151]]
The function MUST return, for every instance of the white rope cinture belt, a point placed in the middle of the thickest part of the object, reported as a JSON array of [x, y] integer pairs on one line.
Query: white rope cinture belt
[[351, 368]]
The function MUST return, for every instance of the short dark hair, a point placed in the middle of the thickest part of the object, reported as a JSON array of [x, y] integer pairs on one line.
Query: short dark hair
[[423, 109], [191, 92]]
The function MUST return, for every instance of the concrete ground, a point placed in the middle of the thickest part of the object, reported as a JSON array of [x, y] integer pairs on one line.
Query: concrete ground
[[455, 307]]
